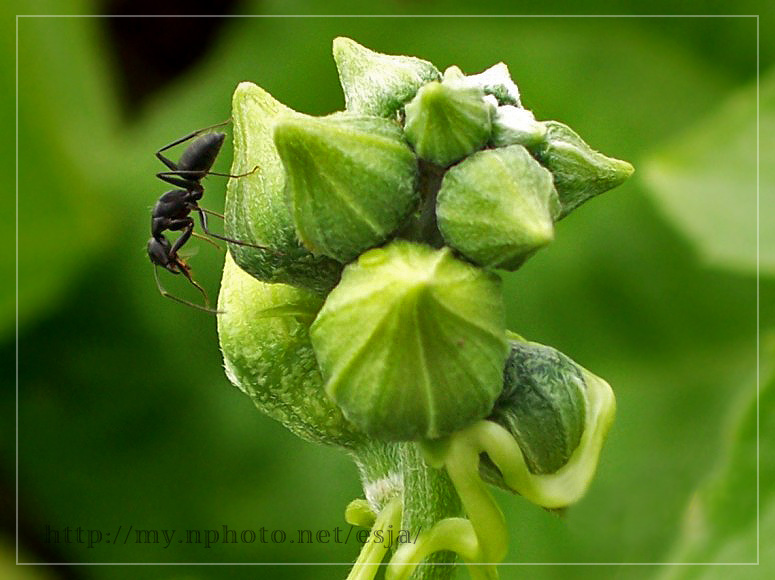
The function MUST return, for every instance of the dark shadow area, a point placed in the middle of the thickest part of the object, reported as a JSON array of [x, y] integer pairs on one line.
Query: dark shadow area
[[151, 52]]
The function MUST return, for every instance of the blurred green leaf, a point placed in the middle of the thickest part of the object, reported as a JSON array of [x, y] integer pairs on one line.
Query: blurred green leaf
[[706, 182], [721, 522], [67, 127]]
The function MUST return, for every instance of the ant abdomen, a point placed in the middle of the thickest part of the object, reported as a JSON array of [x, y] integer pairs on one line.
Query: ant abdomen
[[201, 154]]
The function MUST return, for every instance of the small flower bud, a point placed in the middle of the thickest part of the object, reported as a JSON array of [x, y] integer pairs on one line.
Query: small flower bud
[[558, 413], [516, 126], [453, 73], [412, 342], [264, 337], [350, 180], [542, 404], [580, 172], [378, 84], [256, 209], [447, 121], [496, 207]]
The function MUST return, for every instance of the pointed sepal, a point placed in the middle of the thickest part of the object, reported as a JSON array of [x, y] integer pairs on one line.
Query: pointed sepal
[[378, 84], [256, 209], [580, 173], [447, 121]]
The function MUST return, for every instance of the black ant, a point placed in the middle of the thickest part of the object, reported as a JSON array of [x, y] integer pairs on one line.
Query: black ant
[[172, 210]]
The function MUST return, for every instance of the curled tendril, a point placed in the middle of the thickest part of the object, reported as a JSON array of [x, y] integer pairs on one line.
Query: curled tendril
[[375, 548], [359, 513], [453, 534], [482, 538]]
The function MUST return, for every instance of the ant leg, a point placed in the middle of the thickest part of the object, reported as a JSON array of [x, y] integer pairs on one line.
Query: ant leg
[[184, 270], [188, 180], [183, 139], [251, 172], [188, 229], [166, 294], [206, 239], [211, 212], [203, 221]]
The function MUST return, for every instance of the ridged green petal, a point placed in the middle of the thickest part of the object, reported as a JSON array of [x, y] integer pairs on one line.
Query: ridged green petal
[[496, 207], [412, 342], [256, 209], [264, 337], [350, 180], [447, 121], [378, 84]]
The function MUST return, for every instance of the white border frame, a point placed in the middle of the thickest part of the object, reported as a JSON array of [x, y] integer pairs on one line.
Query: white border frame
[[350, 564]]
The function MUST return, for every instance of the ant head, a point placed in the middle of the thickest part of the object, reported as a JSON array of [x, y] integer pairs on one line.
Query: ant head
[[159, 252]]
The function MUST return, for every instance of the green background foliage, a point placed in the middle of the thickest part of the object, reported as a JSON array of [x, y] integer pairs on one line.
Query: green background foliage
[[126, 418]]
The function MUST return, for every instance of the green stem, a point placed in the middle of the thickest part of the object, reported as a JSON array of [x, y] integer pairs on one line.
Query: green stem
[[390, 470], [422, 227], [429, 497]]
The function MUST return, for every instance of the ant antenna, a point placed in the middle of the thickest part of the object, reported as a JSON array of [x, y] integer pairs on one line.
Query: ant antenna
[[166, 294]]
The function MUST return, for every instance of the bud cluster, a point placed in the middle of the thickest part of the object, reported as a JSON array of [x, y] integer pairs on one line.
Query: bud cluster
[[375, 311]]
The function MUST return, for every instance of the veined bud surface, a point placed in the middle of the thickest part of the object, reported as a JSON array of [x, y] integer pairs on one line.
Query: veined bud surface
[[412, 342], [378, 84], [447, 120], [256, 209], [264, 337], [555, 409], [580, 172], [350, 180], [496, 207]]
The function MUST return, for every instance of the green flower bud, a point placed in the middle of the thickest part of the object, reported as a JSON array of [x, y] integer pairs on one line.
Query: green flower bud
[[256, 209], [557, 411], [496, 207], [447, 121], [350, 180], [378, 84], [264, 338], [580, 172], [516, 126], [542, 404], [412, 342]]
